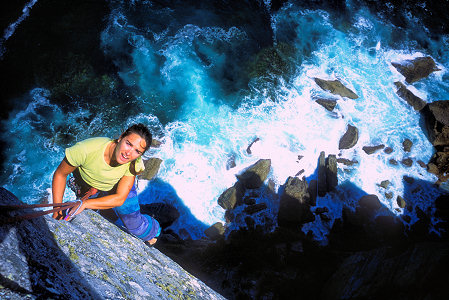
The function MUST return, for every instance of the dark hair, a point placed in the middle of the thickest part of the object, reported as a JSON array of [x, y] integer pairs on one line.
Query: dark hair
[[141, 130]]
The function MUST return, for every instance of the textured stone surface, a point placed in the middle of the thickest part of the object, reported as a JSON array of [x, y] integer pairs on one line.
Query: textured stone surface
[[88, 258]]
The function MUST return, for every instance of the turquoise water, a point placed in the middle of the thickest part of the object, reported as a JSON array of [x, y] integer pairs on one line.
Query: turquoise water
[[186, 81]]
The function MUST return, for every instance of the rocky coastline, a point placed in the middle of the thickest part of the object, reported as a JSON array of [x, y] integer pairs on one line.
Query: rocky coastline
[[370, 254]]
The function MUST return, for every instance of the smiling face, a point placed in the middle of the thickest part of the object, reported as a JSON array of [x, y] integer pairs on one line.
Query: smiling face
[[129, 148]]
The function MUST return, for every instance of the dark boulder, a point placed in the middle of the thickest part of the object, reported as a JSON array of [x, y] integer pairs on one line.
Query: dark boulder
[[231, 197], [436, 116], [152, 166], [336, 88], [372, 149], [328, 104], [294, 207], [407, 144], [254, 176], [215, 231], [331, 172], [414, 101], [349, 139], [416, 69]]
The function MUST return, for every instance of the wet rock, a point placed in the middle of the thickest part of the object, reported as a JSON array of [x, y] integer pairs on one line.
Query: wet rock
[[336, 88], [346, 161], [408, 179], [349, 139], [372, 149], [299, 172], [422, 164], [392, 162], [436, 116], [407, 162], [152, 166], [401, 202], [439, 165], [414, 101], [231, 162], [313, 191], [294, 207], [215, 232], [254, 176], [231, 197], [368, 206], [328, 104], [416, 69], [385, 184], [322, 186], [155, 143], [407, 144], [331, 172], [248, 149], [388, 150]]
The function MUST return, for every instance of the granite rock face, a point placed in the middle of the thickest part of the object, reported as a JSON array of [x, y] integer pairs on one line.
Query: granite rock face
[[87, 258]]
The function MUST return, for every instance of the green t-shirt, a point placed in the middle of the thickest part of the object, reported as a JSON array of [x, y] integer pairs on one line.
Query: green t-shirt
[[88, 156]]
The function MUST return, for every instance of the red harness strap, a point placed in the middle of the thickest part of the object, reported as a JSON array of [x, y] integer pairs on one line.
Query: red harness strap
[[35, 214]]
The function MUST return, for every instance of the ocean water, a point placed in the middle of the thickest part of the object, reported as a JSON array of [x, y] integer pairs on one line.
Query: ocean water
[[187, 70]]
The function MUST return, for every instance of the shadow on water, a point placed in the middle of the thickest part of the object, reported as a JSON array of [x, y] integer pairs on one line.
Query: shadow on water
[[40, 268], [159, 191], [372, 244]]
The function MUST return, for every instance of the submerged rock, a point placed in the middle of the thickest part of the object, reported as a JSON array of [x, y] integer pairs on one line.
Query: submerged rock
[[87, 258], [336, 88], [416, 69]]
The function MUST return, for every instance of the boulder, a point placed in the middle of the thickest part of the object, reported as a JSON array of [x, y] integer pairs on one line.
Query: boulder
[[336, 88], [372, 149], [439, 165], [401, 202], [87, 258], [328, 104], [294, 206], [231, 197], [388, 150], [414, 101], [436, 116], [407, 145], [346, 161], [349, 139], [152, 166], [416, 69], [368, 205], [254, 176], [408, 162], [216, 231]]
